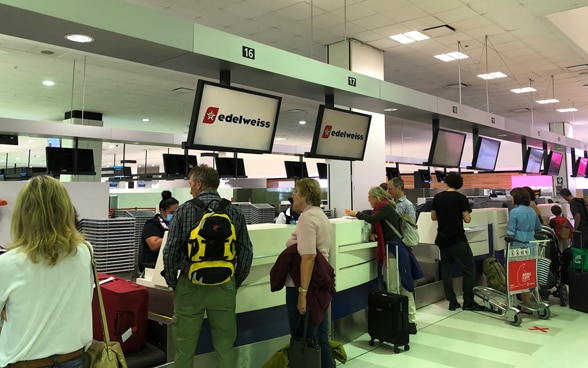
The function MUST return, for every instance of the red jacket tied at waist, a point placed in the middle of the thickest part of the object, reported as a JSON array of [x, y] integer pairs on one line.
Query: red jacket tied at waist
[[322, 282]]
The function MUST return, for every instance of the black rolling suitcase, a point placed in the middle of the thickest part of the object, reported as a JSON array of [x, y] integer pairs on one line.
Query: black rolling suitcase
[[388, 315], [578, 276]]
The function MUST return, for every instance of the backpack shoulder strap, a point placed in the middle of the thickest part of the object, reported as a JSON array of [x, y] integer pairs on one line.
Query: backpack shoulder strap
[[224, 203], [197, 203]]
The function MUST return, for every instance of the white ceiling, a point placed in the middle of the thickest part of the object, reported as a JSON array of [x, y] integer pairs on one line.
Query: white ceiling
[[534, 42]]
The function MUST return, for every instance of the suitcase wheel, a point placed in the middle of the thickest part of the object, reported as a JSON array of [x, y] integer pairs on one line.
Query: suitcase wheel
[[396, 349], [371, 342], [406, 347]]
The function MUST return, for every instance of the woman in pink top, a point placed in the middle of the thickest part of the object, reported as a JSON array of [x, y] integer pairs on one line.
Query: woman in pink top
[[312, 234]]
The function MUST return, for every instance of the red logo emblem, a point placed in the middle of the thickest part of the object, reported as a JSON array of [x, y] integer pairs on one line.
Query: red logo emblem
[[215, 227], [210, 115], [327, 131]]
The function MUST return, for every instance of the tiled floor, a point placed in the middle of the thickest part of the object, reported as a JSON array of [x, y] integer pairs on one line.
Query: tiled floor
[[466, 339]]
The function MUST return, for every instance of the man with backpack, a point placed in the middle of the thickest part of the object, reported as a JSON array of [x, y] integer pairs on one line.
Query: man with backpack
[[211, 268]]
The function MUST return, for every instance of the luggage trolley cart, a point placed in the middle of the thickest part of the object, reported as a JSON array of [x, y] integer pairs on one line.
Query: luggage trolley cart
[[521, 276]]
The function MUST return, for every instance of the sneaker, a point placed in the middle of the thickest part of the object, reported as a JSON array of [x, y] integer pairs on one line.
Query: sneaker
[[453, 305], [473, 306], [412, 328]]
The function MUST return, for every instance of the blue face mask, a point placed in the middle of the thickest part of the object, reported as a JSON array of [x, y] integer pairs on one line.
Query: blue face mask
[[169, 217]]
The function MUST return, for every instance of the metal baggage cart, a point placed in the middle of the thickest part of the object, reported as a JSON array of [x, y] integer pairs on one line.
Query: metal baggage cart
[[522, 274]]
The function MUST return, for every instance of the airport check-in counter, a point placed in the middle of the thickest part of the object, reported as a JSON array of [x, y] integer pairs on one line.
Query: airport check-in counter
[[261, 314]]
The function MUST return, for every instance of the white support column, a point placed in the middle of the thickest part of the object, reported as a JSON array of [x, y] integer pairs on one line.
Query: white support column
[[349, 183]]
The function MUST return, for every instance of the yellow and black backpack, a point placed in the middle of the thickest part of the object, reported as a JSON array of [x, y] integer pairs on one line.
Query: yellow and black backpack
[[212, 244]]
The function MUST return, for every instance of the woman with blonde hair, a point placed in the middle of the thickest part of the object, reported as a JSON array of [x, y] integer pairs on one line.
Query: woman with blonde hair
[[45, 282]]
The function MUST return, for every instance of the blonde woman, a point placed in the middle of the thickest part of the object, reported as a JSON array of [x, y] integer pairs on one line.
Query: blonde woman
[[45, 282]]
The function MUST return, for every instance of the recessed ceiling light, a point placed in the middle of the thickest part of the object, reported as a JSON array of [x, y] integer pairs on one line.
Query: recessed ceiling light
[[409, 37], [451, 56], [390, 109], [302, 122], [494, 75], [280, 138], [48, 83], [570, 109], [548, 101], [523, 90], [111, 146], [37, 156], [145, 120], [80, 38], [503, 135]]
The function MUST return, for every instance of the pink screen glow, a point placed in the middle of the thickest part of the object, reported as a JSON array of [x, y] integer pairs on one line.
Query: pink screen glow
[[533, 181]]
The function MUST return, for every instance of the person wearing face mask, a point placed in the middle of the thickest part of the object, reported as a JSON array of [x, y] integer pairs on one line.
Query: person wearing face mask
[[154, 229]]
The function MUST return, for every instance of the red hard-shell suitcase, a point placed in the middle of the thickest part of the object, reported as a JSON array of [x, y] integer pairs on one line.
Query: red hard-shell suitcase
[[126, 307]]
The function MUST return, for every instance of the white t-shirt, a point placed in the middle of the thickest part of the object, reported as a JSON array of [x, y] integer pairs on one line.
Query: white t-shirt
[[48, 308]]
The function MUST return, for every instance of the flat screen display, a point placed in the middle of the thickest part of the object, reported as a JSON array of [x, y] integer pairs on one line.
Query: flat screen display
[[440, 176], [392, 172], [231, 119], [485, 154], [581, 166], [70, 161], [533, 160], [122, 171], [226, 167], [323, 170], [553, 163], [340, 134], [175, 165], [446, 149], [425, 175], [296, 169]]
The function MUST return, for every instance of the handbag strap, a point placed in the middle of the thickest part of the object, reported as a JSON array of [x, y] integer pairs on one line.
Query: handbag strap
[[394, 229], [99, 294]]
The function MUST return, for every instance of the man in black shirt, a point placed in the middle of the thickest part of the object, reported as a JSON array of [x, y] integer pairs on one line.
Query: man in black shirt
[[451, 209], [579, 212]]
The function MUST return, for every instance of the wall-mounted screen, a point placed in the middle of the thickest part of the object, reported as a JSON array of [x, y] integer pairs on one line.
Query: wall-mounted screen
[[446, 149], [553, 163], [485, 154], [230, 167], [392, 172], [425, 175], [440, 176], [323, 170], [232, 119], [174, 165], [581, 165], [296, 169], [70, 161], [533, 160], [122, 172], [340, 134]]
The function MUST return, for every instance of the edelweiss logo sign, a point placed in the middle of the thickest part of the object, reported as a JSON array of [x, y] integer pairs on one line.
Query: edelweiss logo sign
[[328, 132], [210, 115]]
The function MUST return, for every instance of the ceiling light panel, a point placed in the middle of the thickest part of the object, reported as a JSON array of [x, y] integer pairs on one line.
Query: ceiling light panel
[[548, 101], [523, 90], [409, 37], [570, 109]]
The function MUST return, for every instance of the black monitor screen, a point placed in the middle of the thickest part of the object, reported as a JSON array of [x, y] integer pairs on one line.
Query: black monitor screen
[[232, 119], [440, 176], [485, 154], [392, 172], [425, 175], [533, 160], [340, 134], [61, 160], [553, 163], [226, 167], [446, 149], [122, 172], [295, 169], [323, 170], [175, 165]]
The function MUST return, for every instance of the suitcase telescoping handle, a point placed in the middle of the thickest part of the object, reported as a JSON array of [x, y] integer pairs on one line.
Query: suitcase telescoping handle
[[388, 269]]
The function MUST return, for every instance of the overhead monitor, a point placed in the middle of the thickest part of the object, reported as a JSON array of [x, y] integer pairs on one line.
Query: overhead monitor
[[122, 172], [553, 163], [533, 160], [485, 154], [296, 169], [231, 119], [174, 165], [440, 176], [323, 170], [230, 167], [73, 161], [340, 134], [446, 149], [392, 172], [581, 165]]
